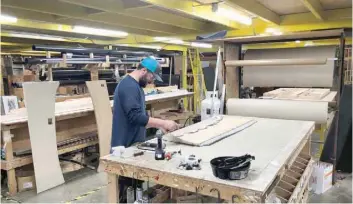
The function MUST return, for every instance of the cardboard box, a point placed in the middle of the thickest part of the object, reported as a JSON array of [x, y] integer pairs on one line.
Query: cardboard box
[[19, 93], [31, 77], [321, 177], [26, 183], [25, 178]]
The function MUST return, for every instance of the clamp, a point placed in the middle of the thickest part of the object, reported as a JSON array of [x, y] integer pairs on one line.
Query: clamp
[[218, 194]]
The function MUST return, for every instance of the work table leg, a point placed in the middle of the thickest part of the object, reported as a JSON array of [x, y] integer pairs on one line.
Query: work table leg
[[11, 176], [113, 188]]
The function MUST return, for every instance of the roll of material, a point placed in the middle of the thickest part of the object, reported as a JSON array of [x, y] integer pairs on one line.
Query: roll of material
[[277, 62], [299, 75], [279, 109]]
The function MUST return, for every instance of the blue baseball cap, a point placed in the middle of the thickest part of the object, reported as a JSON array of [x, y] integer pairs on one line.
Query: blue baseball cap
[[152, 65]]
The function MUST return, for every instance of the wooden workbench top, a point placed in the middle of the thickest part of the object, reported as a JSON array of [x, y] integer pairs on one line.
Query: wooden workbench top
[[273, 142], [78, 107]]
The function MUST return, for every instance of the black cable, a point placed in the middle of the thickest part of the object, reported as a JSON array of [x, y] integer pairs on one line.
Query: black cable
[[187, 120]]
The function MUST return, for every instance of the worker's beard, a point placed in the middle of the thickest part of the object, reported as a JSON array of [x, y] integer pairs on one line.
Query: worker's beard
[[143, 81]]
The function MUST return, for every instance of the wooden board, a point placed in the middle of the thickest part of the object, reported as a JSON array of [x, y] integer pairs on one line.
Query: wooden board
[[103, 112], [290, 75], [273, 143], [301, 94], [209, 131], [279, 109], [40, 103], [80, 107]]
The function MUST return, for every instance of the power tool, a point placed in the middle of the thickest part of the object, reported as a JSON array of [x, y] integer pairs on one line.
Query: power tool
[[159, 152]]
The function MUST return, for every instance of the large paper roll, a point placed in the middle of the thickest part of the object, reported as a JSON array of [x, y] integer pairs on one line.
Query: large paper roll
[[279, 109], [290, 75]]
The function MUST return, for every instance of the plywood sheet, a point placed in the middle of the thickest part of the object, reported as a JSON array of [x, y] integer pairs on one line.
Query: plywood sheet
[[290, 75], [210, 131], [103, 112], [279, 109], [304, 94], [40, 103]]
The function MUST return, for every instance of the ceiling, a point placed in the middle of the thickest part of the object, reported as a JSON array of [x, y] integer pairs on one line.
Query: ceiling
[[145, 19]]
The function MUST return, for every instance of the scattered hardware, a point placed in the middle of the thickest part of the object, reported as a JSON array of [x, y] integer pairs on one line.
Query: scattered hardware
[[232, 168], [138, 153], [169, 155], [190, 162]]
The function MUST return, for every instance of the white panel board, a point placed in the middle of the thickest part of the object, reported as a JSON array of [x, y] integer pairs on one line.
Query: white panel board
[[40, 103], [279, 109], [210, 131], [290, 75], [103, 112]]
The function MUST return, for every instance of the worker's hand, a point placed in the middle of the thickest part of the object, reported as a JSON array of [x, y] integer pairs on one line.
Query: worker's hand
[[170, 125]]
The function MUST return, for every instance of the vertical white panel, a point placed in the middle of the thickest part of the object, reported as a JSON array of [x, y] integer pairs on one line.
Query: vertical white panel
[[290, 75], [40, 104], [103, 112]]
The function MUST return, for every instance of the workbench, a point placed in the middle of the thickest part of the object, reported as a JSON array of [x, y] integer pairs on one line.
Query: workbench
[[75, 128], [278, 146]]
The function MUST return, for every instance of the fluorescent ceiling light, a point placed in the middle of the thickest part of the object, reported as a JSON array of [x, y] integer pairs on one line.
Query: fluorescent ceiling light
[[10, 19], [277, 33], [232, 14], [176, 41], [202, 45], [34, 36], [273, 31], [309, 43], [97, 31], [151, 47], [162, 38]]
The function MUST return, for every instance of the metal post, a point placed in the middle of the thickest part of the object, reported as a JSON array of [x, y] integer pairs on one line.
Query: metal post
[[219, 60], [170, 71], [338, 99]]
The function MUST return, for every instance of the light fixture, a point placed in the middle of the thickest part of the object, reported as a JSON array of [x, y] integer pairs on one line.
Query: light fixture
[[162, 38], [273, 31], [10, 19], [309, 43], [297, 41], [231, 14], [176, 41], [98, 31], [201, 45], [156, 47], [169, 40], [35, 36]]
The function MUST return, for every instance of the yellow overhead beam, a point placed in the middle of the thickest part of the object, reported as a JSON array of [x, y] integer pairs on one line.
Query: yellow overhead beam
[[254, 7], [196, 10], [315, 7], [63, 28], [338, 18], [146, 13], [78, 14]]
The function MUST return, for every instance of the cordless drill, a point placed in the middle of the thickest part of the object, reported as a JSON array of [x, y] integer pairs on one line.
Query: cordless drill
[[159, 152]]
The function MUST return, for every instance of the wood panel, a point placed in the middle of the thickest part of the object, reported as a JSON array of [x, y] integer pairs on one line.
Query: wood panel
[[103, 112], [232, 52], [40, 103]]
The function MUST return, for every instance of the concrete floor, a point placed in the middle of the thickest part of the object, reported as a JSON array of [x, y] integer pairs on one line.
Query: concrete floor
[[88, 186]]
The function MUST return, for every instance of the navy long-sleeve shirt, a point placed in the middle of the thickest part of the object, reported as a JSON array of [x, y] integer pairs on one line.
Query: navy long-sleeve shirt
[[129, 113]]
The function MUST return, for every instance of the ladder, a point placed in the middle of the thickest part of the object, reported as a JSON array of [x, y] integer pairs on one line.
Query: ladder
[[199, 87]]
